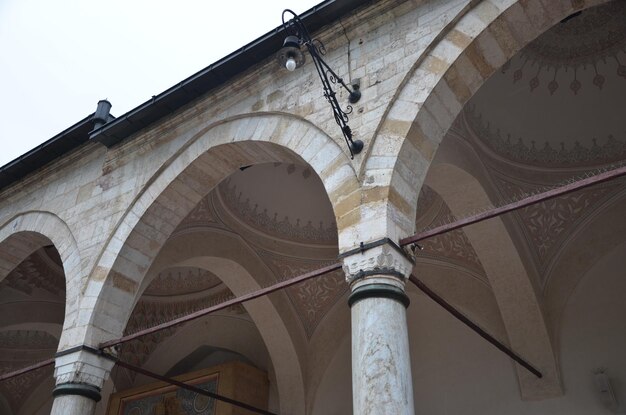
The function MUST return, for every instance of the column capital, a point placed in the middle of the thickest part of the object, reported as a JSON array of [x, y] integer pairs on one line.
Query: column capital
[[376, 260], [82, 371]]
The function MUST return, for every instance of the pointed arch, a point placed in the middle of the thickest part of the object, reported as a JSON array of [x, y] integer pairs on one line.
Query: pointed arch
[[474, 45], [212, 154], [29, 231]]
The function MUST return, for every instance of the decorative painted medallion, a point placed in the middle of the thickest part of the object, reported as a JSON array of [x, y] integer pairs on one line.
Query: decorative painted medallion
[[584, 47]]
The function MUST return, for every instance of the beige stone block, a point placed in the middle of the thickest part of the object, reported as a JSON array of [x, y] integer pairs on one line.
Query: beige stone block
[[443, 116], [460, 39], [403, 113], [486, 11], [377, 177], [425, 133], [311, 149], [337, 172], [435, 65], [245, 128], [325, 156], [402, 199], [537, 14], [447, 51], [476, 59], [289, 132], [123, 283], [411, 165], [456, 84], [492, 54], [395, 130], [376, 162], [266, 129], [557, 10], [347, 203], [521, 26], [470, 75], [505, 37]]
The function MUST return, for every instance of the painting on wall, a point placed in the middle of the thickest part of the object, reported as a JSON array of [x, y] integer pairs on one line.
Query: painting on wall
[[235, 380], [169, 400]]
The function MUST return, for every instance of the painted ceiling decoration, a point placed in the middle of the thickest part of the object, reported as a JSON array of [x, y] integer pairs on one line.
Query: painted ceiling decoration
[[28, 340], [532, 127], [17, 390], [150, 312], [548, 225], [201, 215], [293, 208], [579, 153], [244, 196], [32, 346], [181, 281], [544, 108], [585, 47], [37, 273], [452, 246], [311, 299]]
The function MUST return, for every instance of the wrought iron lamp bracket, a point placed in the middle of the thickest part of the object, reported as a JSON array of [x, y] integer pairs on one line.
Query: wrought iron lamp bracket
[[296, 29]]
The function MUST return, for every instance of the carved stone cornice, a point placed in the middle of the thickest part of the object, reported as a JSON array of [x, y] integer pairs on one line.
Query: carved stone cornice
[[385, 260]]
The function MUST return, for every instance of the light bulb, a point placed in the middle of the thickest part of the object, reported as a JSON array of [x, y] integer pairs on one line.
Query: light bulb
[[290, 64]]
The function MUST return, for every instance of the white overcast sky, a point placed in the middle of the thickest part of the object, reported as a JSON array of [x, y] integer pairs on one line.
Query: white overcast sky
[[58, 58]]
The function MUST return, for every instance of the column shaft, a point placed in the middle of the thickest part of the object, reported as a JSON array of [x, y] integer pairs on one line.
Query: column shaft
[[73, 405], [381, 366]]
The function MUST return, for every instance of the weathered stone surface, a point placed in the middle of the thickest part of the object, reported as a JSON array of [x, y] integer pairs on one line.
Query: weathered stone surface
[[109, 211]]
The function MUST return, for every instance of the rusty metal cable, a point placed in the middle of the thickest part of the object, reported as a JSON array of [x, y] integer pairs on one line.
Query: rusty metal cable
[[488, 214]]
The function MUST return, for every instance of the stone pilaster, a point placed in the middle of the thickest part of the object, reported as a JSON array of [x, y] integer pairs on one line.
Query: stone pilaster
[[381, 365], [80, 374]]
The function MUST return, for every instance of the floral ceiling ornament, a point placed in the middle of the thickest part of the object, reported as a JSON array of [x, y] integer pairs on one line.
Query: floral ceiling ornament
[[588, 153], [299, 230], [592, 39]]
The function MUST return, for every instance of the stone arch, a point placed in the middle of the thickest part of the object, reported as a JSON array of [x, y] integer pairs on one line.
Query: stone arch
[[471, 48], [209, 156], [517, 298], [25, 233], [189, 249], [41, 313]]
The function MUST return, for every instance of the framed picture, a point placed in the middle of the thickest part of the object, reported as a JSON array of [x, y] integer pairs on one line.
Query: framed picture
[[235, 380]]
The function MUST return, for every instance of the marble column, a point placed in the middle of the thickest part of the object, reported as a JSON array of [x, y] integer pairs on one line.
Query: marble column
[[381, 364], [75, 399], [80, 375]]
